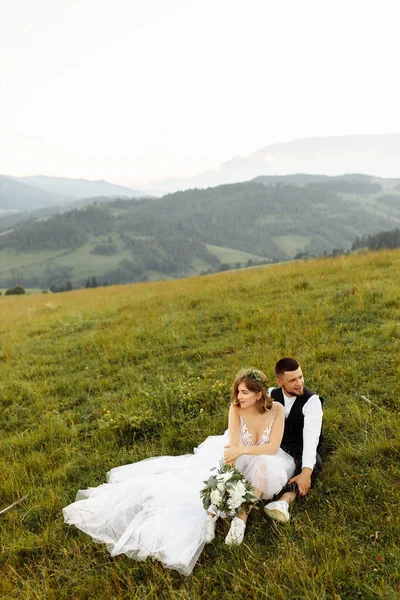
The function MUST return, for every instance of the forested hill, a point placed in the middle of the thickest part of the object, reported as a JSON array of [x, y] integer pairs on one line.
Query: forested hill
[[384, 239], [197, 230]]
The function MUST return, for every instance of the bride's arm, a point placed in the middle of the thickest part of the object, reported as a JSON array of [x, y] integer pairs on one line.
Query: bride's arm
[[234, 435], [234, 426]]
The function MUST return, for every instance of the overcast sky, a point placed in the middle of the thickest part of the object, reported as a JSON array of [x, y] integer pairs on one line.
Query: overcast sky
[[136, 90]]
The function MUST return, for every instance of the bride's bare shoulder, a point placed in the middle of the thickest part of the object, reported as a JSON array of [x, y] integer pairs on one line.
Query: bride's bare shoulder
[[277, 408], [234, 410]]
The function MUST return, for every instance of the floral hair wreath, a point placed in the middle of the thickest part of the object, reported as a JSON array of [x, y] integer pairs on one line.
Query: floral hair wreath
[[255, 375]]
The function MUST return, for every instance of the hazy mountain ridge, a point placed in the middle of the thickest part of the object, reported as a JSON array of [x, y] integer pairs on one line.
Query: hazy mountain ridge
[[334, 155], [19, 195], [80, 188], [188, 232], [39, 192]]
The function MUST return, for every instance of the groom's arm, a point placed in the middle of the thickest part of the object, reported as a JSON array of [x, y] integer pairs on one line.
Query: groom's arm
[[311, 431]]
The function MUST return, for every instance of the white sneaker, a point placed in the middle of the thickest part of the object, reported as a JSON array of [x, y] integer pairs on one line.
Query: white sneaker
[[211, 522], [279, 511], [236, 532]]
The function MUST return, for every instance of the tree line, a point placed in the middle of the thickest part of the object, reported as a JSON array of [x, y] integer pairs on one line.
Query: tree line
[[378, 241]]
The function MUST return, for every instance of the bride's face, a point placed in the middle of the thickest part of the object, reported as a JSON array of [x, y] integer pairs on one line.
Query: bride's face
[[247, 398]]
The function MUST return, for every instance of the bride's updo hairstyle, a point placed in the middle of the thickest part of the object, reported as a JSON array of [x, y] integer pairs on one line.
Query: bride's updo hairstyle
[[255, 381]]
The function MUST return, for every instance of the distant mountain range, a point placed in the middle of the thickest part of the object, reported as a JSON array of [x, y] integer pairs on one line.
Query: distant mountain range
[[268, 219], [80, 188], [38, 192], [378, 155]]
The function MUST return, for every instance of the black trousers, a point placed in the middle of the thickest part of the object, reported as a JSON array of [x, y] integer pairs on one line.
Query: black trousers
[[292, 487]]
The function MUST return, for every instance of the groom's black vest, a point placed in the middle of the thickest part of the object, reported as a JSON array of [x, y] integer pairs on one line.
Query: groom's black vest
[[292, 441]]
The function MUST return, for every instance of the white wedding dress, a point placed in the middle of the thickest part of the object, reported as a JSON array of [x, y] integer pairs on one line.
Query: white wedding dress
[[152, 508]]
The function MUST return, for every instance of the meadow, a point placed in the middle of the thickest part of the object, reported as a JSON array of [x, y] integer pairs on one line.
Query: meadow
[[96, 378], [82, 263]]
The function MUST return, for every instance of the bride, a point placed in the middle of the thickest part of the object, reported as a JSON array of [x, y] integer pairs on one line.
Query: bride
[[152, 508]]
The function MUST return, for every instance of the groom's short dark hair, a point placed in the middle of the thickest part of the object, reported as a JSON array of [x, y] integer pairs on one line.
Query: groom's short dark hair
[[286, 364]]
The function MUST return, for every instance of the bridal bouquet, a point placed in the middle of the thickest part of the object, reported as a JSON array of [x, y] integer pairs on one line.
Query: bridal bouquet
[[227, 490]]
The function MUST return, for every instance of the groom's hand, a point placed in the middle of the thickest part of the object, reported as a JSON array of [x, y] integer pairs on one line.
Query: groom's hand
[[303, 481]]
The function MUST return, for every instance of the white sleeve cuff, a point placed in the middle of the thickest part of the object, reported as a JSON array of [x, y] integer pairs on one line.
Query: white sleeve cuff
[[308, 466]]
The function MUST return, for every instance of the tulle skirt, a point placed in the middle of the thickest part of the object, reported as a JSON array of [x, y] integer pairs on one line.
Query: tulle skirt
[[152, 508], [267, 472]]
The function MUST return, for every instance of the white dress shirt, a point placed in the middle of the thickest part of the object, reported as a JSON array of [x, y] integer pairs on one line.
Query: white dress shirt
[[312, 411]]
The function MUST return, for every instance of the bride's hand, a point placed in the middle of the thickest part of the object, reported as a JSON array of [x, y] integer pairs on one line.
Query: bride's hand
[[232, 453]]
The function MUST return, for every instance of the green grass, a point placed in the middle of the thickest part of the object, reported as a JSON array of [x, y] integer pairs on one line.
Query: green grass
[[96, 378], [81, 260], [12, 259], [85, 264], [231, 256]]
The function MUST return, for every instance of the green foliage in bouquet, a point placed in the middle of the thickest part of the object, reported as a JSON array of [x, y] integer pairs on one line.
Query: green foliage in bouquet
[[227, 490]]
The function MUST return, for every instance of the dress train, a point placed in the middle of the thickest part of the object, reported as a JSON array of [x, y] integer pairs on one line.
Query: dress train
[[152, 508]]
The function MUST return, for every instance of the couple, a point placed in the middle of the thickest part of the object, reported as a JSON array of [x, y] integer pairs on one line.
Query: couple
[[153, 507]]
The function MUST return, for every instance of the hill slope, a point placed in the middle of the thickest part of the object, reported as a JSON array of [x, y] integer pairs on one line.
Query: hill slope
[[178, 235], [98, 378]]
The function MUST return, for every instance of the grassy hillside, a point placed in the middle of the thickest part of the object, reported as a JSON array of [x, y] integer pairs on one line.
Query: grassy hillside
[[97, 378], [79, 264]]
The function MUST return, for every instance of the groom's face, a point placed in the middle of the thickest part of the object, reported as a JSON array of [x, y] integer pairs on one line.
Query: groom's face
[[292, 382]]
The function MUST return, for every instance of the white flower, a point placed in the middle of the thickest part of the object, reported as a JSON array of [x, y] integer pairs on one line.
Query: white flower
[[237, 493], [235, 501], [216, 497], [239, 488], [221, 486]]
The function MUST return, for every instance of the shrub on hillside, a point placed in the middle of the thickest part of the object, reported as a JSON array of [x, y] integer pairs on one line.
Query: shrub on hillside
[[15, 291], [127, 427]]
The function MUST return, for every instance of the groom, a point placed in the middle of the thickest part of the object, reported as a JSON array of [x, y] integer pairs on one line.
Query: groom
[[302, 437]]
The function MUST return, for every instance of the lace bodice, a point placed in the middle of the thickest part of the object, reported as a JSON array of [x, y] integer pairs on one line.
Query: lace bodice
[[246, 439]]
